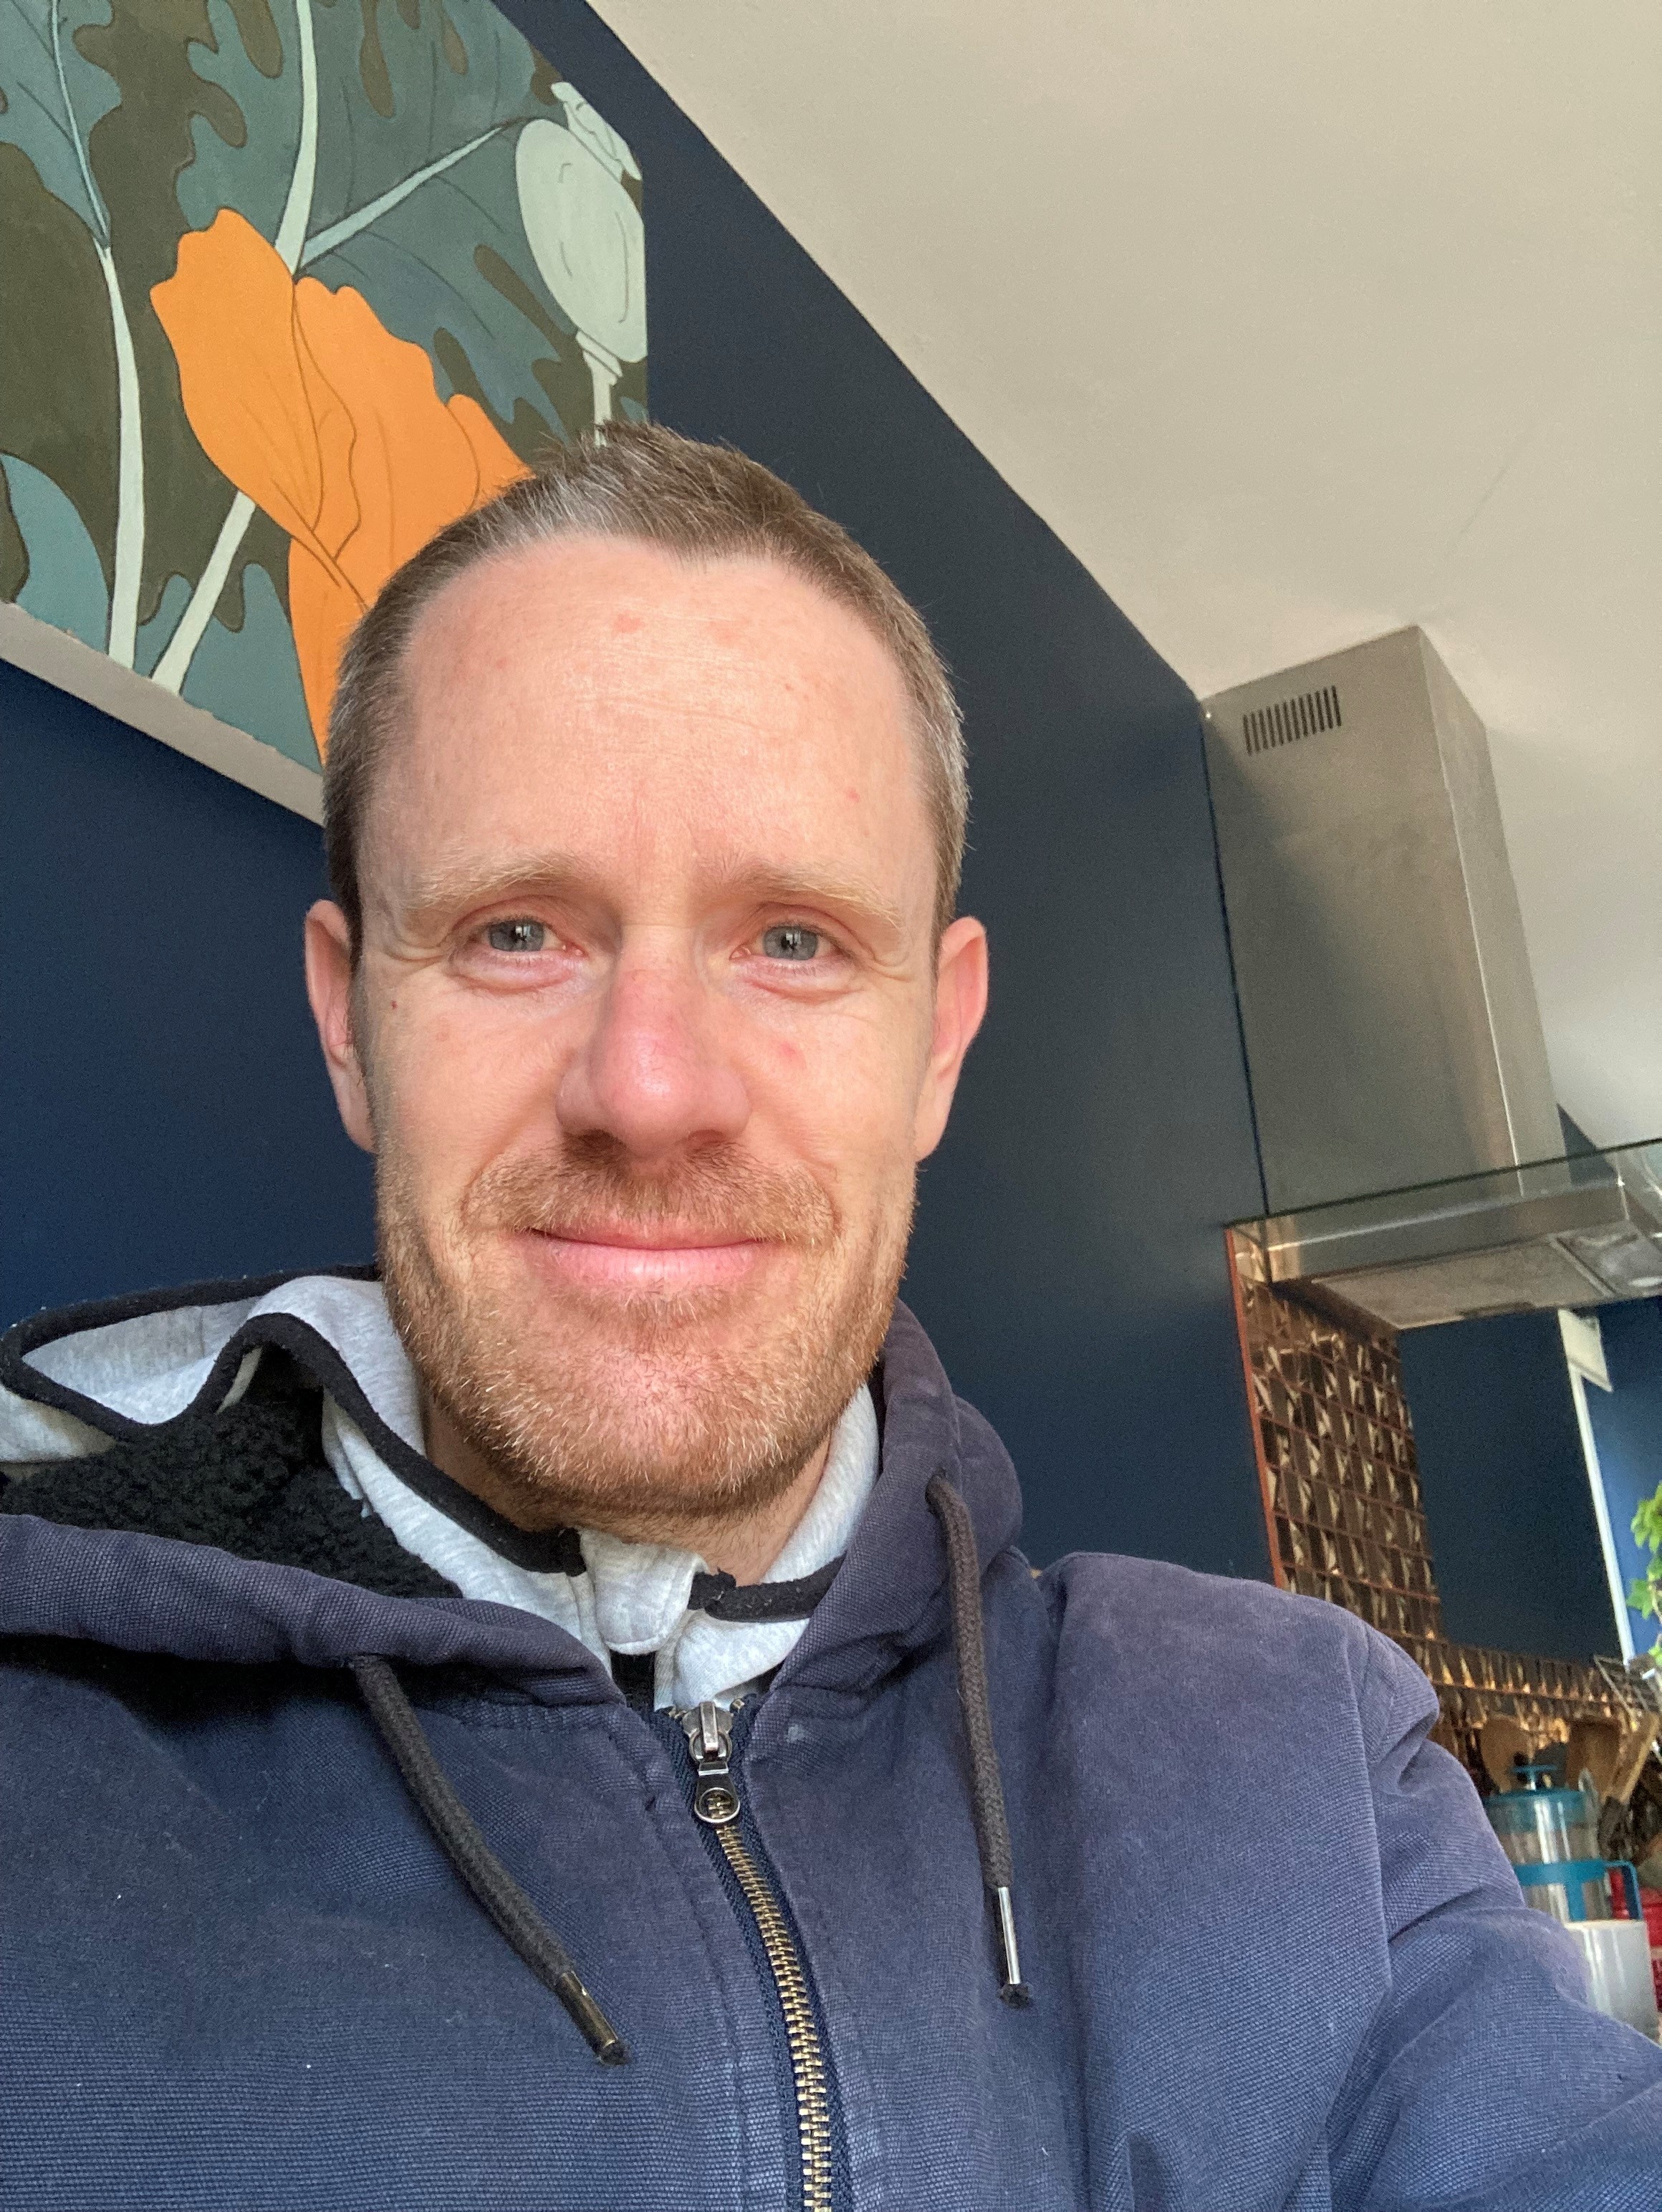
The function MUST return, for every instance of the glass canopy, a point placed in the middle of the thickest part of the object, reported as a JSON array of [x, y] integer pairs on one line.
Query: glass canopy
[[1581, 1230]]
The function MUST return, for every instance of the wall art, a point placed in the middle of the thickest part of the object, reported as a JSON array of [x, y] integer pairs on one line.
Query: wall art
[[285, 285]]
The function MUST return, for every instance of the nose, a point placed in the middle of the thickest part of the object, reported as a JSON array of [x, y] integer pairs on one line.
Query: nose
[[652, 1073]]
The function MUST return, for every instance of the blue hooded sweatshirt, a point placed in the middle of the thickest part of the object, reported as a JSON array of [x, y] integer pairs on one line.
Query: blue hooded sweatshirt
[[296, 1846]]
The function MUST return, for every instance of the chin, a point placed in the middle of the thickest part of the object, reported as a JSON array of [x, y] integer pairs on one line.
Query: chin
[[612, 1399], [619, 1419]]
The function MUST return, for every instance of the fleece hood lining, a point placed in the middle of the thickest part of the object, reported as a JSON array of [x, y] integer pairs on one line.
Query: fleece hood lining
[[219, 1365]]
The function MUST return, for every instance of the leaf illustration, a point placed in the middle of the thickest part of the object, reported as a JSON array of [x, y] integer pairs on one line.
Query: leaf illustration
[[54, 96], [250, 676], [54, 308], [368, 147], [58, 96], [66, 584], [403, 85], [139, 152], [448, 267], [332, 425], [245, 149], [419, 267]]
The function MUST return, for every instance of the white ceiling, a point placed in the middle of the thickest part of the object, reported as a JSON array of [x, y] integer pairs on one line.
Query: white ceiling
[[1297, 322]]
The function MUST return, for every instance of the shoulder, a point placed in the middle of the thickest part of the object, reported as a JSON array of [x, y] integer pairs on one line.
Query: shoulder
[[1175, 1641]]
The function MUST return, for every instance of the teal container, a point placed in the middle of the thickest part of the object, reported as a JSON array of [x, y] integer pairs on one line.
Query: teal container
[[1556, 1830]]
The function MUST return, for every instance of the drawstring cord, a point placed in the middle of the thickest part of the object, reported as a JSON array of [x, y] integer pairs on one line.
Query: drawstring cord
[[474, 1861], [992, 1826], [529, 1934]]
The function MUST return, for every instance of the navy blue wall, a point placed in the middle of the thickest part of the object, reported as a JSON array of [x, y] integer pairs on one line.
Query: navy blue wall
[[164, 1115], [1068, 1257], [1514, 1536]]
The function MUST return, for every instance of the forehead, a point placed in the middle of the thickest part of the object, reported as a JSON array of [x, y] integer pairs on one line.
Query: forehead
[[610, 696]]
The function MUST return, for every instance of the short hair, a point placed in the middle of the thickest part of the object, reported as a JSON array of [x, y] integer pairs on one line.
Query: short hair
[[707, 503]]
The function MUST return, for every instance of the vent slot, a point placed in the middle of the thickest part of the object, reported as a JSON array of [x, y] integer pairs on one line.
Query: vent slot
[[1305, 716]]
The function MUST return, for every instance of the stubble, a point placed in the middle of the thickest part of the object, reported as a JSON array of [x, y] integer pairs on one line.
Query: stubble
[[647, 1410]]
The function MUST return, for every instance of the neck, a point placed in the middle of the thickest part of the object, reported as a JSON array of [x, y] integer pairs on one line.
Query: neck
[[742, 1545]]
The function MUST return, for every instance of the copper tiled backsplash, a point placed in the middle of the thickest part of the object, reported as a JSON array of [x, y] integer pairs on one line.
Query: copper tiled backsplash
[[1341, 1498]]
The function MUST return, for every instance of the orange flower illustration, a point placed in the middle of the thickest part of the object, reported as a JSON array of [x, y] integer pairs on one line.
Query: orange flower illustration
[[307, 403]]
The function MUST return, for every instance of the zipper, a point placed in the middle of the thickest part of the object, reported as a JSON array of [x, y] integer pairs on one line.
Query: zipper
[[709, 1729]]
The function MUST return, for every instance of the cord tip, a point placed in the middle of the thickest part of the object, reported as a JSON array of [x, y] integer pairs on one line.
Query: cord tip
[[1010, 1987], [602, 2038]]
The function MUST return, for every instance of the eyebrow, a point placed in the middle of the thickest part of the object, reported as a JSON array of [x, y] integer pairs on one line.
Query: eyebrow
[[782, 886], [434, 897]]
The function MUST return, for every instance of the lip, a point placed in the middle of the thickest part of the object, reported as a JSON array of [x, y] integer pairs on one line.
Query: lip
[[664, 1258], [663, 1236]]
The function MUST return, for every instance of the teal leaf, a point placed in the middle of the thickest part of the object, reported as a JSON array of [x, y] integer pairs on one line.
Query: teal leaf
[[399, 86], [403, 89], [419, 268], [249, 678], [65, 584], [54, 96], [253, 176]]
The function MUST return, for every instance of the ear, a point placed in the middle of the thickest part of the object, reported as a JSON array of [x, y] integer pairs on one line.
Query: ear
[[329, 987], [960, 1001]]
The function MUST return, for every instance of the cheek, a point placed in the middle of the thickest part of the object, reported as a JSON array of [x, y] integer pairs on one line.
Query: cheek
[[461, 1083], [840, 1091]]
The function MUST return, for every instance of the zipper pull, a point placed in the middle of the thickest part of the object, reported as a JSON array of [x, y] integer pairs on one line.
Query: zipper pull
[[708, 1730]]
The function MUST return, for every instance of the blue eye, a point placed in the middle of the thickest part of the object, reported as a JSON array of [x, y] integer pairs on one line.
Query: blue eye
[[790, 941], [516, 936]]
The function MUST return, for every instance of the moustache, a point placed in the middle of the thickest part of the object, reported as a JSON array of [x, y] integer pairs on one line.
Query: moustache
[[591, 1185]]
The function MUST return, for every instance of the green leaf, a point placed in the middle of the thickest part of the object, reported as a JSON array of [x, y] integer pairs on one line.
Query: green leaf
[[53, 95], [250, 676], [399, 86], [1648, 1522], [65, 584], [54, 308], [138, 153], [420, 268], [449, 267], [245, 149]]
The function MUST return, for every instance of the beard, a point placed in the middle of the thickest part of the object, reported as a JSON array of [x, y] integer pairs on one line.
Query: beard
[[647, 1410]]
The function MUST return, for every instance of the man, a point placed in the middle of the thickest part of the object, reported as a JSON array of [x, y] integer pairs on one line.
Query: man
[[565, 1724]]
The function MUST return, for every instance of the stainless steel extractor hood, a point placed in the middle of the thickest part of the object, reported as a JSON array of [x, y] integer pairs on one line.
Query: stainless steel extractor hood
[[1392, 1036], [1582, 1229]]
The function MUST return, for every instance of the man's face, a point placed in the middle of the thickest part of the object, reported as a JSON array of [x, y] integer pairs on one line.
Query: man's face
[[650, 1029]]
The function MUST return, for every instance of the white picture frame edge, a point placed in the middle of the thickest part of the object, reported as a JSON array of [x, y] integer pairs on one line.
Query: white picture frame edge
[[88, 674]]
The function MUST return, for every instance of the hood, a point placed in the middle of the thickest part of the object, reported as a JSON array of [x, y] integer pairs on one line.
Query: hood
[[158, 1386], [161, 1372]]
